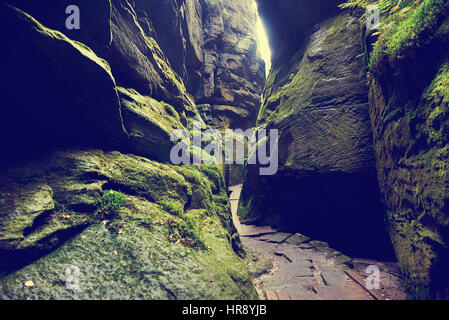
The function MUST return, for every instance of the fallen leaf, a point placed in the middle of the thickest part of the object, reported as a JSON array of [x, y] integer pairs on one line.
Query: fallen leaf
[[120, 231], [405, 10], [29, 284], [394, 9]]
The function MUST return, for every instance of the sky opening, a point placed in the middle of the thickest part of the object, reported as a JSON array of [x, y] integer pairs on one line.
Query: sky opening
[[262, 43]]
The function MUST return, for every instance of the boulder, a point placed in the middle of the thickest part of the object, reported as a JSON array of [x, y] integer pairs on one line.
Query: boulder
[[172, 238], [62, 94]]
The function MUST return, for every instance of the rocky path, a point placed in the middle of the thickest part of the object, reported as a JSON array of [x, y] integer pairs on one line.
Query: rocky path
[[293, 267]]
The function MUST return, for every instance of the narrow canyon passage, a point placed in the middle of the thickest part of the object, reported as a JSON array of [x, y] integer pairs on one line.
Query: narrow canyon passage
[[117, 161], [288, 266]]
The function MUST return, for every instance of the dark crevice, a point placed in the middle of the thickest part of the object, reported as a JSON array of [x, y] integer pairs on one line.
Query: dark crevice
[[38, 222], [18, 259]]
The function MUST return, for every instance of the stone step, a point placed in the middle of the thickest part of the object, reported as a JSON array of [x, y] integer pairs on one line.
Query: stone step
[[278, 237]]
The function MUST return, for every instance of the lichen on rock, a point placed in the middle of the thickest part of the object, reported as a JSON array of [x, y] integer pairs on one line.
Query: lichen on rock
[[133, 255], [408, 78]]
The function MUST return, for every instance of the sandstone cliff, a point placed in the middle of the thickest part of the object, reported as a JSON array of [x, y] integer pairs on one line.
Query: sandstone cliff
[[326, 185], [408, 80], [85, 179], [349, 102], [87, 119]]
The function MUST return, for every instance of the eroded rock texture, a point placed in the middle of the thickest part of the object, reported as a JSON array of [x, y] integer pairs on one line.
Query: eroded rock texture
[[76, 91], [50, 221], [409, 110], [121, 84], [233, 73], [326, 186]]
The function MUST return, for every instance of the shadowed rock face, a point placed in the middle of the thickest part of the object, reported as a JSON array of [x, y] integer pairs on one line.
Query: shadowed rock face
[[409, 110], [326, 186], [179, 27], [208, 50], [49, 94], [72, 95], [108, 86]]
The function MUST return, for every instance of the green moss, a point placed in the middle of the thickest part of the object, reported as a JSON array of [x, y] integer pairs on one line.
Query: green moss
[[172, 207], [243, 209], [155, 252], [200, 154], [185, 231], [112, 201], [414, 31], [291, 85], [160, 113], [404, 28]]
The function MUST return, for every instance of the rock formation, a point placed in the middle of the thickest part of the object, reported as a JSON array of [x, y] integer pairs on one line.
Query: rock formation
[[86, 183], [409, 97], [317, 97], [326, 185], [233, 74], [142, 253], [87, 120]]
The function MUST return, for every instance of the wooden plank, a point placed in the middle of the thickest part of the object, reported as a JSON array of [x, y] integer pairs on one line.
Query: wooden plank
[[283, 295], [358, 278], [271, 295]]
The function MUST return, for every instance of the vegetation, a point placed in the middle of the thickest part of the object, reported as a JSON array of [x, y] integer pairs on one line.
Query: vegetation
[[407, 62], [172, 207], [404, 25], [185, 231], [112, 202]]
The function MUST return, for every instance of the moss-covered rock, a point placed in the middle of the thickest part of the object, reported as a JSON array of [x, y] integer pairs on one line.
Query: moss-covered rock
[[149, 124], [144, 249], [139, 63], [326, 185], [62, 94], [408, 76]]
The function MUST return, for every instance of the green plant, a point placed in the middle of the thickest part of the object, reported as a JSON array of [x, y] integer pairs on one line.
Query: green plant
[[383, 5], [112, 202], [172, 207], [184, 231]]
